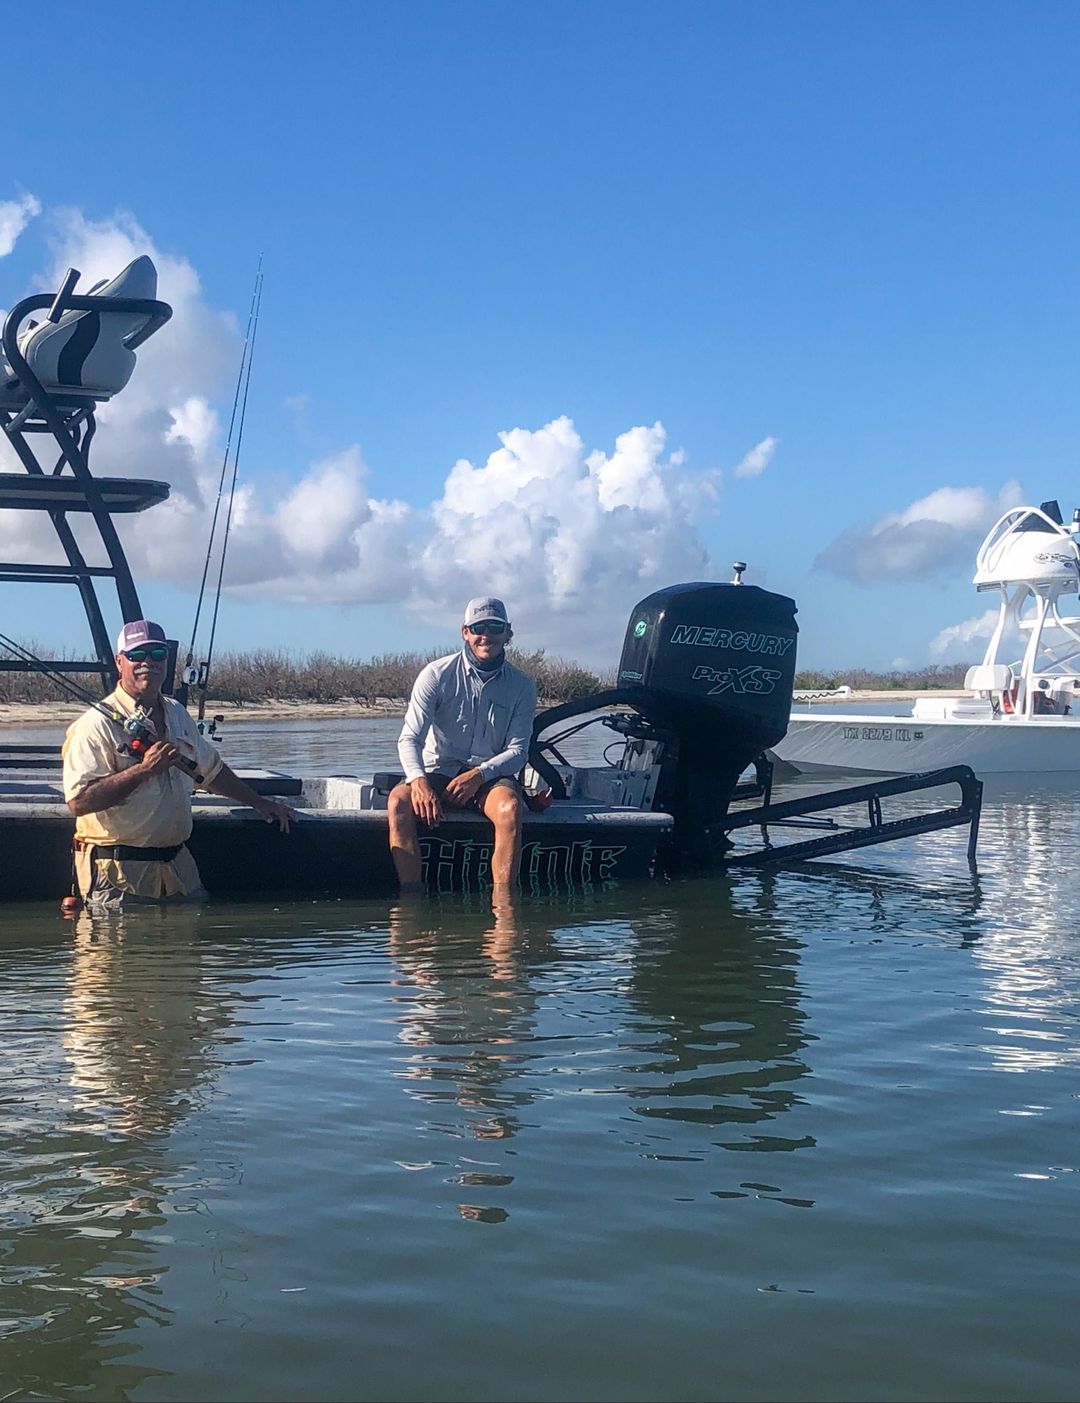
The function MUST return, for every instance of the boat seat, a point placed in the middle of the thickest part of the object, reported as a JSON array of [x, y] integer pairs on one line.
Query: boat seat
[[989, 677], [87, 354], [36, 492], [952, 709]]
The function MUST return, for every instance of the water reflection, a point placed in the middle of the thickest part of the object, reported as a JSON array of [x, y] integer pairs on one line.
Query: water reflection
[[682, 1003], [893, 902], [85, 1142], [467, 1008], [715, 987], [609, 1078], [1028, 953]]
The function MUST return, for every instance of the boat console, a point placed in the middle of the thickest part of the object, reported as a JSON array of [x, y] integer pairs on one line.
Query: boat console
[[1032, 560]]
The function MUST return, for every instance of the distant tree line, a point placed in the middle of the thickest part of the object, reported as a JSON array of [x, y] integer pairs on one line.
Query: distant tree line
[[948, 676], [278, 675], [275, 674]]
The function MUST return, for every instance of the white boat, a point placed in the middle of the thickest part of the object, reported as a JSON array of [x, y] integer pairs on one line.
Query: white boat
[[1017, 716]]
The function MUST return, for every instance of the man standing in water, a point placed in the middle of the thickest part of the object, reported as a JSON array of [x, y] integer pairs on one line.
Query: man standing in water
[[133, 808], [465, 740]]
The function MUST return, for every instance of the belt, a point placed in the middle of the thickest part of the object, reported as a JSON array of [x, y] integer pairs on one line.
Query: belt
[[121, 852]]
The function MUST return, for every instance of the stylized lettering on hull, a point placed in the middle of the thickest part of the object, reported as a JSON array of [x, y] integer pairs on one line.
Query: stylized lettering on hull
[[458, 864]]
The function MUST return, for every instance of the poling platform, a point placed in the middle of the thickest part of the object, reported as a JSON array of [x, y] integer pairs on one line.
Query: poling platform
[[55, 374]]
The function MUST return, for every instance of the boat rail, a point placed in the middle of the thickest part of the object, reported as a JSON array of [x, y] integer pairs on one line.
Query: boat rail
[[877, 829]]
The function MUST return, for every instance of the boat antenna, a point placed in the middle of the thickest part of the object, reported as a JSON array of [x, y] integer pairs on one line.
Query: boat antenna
[[200, 676]]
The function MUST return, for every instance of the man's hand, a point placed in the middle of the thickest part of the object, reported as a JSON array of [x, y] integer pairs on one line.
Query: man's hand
[[462, 787], [425, 801], [158, 758], [110, 790], [274, 812]]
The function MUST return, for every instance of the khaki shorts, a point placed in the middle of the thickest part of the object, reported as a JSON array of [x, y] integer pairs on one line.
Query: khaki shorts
[[439, 782]]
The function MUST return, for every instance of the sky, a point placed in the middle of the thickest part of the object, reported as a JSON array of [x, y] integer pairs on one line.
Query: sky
[[565, 303]]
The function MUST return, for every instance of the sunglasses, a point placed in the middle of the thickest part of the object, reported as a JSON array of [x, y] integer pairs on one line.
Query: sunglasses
[[140, 655], [492, 626]]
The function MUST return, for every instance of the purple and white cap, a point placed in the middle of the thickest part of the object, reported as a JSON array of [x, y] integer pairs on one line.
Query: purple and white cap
[[138, 634]]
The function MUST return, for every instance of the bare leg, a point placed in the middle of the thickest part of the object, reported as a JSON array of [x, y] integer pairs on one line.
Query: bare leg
[[404, 845], [503, 806]]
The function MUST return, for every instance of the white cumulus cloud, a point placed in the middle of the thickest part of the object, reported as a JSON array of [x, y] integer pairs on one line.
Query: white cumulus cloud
[[566, 533], [960, 637], [15, 215], [937, 534], [571, 536], [758, 459]]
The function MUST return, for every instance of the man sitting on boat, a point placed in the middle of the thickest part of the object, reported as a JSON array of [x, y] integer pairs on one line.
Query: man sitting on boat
[[464, 742], [131, 792]]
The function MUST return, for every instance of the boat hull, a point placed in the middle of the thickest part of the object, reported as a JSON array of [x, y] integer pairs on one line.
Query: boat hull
[[346, 854], [899, 745]]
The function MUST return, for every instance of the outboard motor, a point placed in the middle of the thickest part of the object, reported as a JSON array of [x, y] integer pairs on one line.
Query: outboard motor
[[710, 668], [714, 664]]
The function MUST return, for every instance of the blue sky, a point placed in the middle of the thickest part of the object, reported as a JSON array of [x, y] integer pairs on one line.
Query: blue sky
[[829, 248]]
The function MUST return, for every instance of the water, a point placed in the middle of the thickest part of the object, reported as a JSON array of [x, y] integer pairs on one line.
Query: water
[[808, 1136]]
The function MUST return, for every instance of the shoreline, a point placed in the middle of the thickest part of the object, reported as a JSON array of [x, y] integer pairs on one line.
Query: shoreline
[[868, 694], [24, 714], [63, 713]]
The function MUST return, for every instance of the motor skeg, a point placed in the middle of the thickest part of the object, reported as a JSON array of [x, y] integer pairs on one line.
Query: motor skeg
[[715, 665]]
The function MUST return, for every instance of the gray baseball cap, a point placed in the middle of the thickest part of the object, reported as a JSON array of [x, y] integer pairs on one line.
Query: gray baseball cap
[[486, 607]]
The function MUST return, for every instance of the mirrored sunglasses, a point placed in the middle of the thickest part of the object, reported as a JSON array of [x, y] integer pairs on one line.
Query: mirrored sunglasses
[[492, 626], [140, 655]]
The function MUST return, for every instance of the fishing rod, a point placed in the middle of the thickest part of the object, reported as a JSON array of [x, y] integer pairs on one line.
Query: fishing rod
[[198, 676], [232, 487], [137, 727]]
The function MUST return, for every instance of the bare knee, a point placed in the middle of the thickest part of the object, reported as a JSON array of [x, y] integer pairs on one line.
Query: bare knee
[[399, 806], [504, 809]]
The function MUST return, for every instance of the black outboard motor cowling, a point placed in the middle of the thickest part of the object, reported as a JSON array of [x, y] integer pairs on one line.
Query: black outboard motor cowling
[[715, 665]]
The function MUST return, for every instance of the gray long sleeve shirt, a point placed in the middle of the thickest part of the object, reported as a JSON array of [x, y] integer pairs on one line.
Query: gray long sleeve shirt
[[457, 720]]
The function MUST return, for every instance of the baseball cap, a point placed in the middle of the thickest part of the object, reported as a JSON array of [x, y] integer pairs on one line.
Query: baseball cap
[[486, 607], [138, 634]]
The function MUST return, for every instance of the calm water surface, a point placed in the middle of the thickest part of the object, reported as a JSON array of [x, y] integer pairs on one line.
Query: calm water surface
[[808, 1136]]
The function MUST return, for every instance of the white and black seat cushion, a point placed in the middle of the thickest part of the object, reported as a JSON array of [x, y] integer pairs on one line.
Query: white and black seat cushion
[[84, 354]]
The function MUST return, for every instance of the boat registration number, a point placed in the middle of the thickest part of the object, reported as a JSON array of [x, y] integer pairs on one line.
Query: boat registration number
[[881, 733]]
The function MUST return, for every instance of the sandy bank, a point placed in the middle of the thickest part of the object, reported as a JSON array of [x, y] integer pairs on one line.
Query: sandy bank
[[63, 713], [867, 695]]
